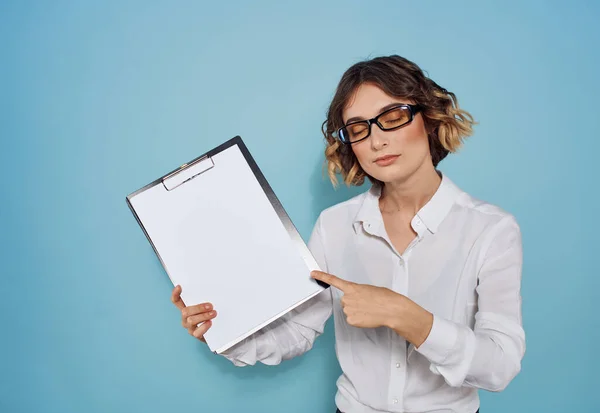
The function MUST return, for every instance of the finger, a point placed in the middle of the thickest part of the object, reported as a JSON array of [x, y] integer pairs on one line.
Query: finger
[[196, 309], [331, 280], [176, 297], [188, 321], [200, 331], [197, 319], [191, 331]]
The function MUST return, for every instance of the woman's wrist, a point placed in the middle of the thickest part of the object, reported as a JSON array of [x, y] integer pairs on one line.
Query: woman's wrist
[[410, 320]]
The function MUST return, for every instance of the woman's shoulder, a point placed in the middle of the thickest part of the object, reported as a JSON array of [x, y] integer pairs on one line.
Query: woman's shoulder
[[490, 216]]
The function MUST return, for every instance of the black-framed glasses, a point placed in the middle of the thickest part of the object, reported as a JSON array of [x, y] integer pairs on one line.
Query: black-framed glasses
[[390, 119]]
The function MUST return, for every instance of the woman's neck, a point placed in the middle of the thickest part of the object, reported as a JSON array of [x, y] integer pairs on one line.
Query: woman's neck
[[410, 195]]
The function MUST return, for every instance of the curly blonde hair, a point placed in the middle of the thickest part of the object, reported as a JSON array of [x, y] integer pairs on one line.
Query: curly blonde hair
[[447, 125]]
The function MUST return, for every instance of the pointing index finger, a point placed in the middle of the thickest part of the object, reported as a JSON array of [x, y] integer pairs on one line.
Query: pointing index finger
[[331, 280]]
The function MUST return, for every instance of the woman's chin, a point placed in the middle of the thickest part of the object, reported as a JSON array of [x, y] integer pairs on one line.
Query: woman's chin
[[391, 175]]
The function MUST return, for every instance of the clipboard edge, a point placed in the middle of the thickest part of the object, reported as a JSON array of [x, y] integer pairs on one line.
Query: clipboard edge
[[149, 239], [285, 219]]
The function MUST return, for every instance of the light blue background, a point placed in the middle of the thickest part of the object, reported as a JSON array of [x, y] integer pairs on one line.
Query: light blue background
[[98, 99]]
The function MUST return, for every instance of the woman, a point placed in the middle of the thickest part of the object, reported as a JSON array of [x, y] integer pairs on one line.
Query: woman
[[426, 292]]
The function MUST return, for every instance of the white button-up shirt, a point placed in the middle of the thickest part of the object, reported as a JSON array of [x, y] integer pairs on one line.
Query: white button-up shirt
[[464, 266]]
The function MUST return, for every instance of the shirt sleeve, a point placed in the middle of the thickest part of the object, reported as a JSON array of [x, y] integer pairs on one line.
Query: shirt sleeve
[[294, 333], [489, 355]]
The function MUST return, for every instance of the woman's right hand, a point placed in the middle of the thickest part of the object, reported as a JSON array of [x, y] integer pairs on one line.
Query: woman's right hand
[[193, 315]]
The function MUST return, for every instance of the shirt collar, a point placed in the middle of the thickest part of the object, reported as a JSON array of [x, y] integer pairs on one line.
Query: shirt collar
[[369, 214], [431, 214]]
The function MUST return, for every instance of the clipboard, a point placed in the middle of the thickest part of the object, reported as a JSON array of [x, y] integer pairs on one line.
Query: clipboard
[[220, 232]]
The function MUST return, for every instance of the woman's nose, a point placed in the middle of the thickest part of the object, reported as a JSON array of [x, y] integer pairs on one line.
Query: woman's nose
[[379, 139]]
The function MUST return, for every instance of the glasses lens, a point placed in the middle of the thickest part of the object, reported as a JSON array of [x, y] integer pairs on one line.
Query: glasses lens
[[355, 131], [395, 118]]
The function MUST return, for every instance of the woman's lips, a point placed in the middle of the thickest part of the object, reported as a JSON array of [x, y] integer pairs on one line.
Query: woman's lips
[[387, 160]]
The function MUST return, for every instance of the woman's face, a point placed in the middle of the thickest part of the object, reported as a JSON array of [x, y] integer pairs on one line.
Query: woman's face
[[406, 148]]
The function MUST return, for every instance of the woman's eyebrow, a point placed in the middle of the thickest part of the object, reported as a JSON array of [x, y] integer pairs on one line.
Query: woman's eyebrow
[[383, 109]]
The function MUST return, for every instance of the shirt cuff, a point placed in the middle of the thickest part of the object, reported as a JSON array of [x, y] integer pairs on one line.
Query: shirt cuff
[[441, 340], [239, 353]]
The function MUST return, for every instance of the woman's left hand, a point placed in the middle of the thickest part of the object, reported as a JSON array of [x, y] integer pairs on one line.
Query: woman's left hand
[[368, 306]]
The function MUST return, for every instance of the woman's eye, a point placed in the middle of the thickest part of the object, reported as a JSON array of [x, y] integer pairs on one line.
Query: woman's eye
[[357, 129], [395, 118]]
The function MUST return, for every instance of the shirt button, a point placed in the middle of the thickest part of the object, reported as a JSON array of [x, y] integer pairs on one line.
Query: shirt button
[[398, 365], [395, 401]]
